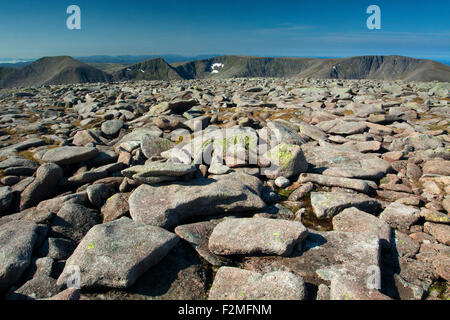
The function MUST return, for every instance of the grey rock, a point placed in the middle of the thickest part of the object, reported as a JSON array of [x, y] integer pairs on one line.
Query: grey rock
[[55, 204], [73, 221], [417, 141], [354, 220], [219, 169], [439, 231], [175, 203], [237, 284], [153, 146], [285, 161], [70, 294], [40, 287], [98, 193], [112, 127], [282, 182], [116, 254], [400, 216], [301, 192], [338, 161], [256, 236], [18, 162], [354, 184], [57, 248], [69, 155], [6, 198], [157, 170], [284, 134], [329, 204], [115, 207], [43, 187], [17, 240], [10, 180], [344, 288], [343, 127], [197, 235], [405, 246], [326, 255]]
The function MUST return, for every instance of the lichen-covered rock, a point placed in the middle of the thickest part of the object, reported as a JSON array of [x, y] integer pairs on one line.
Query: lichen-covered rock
[[237, 284], [439, 231], [47, 178], [256, 236], [354, 220], [286, 160], [400, 216], [73, 221], [173, 204], [116, 254], [17, 241], [69, 155], [329, 204]]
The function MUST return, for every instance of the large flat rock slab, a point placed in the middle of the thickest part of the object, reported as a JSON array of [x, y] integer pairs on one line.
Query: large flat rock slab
[[400, 216], [181, 275], [328, 204], [237, 284], [354, 220], [197, 235], [116, 254], [326, 255], [256, 236], [150, 172], [69, 155], [17, 241], [169, 206], [340, 161]]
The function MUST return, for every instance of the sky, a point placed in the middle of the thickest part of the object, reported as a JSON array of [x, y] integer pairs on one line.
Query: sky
[[301, 28]]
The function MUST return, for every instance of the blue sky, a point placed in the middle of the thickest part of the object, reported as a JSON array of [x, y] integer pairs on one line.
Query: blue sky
[[31, 29]]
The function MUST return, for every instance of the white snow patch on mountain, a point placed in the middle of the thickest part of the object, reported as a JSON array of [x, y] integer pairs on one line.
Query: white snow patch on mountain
[[215, 68]]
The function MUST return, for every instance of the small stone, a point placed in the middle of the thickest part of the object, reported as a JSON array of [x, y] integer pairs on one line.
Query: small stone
[[115, 207], [282, 182], [301, 192], [112, 127]]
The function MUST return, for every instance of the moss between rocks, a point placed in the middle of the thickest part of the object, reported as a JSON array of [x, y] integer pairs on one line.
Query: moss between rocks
[[440, 290], [348, 113], [310, 220], [284, 193], [27, 155]]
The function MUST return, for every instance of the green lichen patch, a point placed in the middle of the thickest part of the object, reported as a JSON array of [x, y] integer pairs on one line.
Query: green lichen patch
[[440, 290]]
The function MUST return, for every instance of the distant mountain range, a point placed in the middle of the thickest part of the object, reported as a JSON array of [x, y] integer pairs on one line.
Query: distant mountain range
[[67, 70], [53, 70]]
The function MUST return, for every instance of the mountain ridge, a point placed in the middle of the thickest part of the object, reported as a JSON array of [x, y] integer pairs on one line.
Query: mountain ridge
[[54, 71], [67, 70]]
